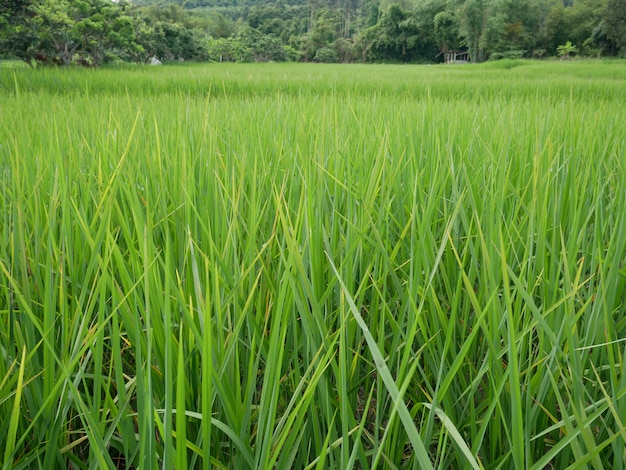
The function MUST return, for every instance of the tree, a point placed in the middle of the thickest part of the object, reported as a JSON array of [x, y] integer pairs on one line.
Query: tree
[[482, 25], [402, 35], [220, 26], [445, 30], [16, 38], [564, 50], [172, 41], [614, 21], [109, 31], [525, 28], [226, 50], [65, 31], [262, 47], [326, 28]]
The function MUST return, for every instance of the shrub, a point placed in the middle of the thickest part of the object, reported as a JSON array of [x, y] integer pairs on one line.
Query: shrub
[[326, 55]]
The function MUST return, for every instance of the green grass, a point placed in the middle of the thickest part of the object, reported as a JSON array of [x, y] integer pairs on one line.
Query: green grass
[[298, 266]]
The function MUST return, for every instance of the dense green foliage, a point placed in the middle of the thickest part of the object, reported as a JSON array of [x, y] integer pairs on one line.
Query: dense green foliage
[[297, 266], [91, 32], [88, 32], [406, 30]]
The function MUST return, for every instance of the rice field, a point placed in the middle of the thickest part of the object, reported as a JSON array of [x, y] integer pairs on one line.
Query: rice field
[[306, 266]]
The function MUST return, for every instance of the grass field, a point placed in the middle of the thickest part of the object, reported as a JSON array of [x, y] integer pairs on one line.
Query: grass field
[[307, 266]]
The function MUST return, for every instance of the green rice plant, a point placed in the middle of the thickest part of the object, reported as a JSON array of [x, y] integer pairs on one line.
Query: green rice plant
[[297, 266]]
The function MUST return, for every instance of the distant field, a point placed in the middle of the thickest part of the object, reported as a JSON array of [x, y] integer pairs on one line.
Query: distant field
[[313, 266]]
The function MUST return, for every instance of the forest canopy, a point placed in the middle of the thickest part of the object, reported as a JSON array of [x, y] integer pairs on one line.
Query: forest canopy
[[94, 32]]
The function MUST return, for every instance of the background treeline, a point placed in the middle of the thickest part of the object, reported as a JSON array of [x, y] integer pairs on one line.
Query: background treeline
[[92, 32]]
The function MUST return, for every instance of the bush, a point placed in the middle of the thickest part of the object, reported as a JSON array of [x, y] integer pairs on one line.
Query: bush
[[515, 54], [346, 50], [326, 55], [226, 50]]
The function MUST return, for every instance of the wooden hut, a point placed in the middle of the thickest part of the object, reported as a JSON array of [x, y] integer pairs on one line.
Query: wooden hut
[[456, 57]]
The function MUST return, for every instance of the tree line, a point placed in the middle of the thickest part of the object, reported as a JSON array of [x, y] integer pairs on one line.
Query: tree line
[[94, 32]]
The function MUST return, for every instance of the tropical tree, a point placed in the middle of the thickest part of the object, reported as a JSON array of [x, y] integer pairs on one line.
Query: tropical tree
[[482, 25], [565, 50], [16, 37], [614, 20], [446, 30], [325, 29]]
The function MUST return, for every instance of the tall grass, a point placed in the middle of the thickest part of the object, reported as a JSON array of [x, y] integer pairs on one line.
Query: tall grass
[[391, 267]]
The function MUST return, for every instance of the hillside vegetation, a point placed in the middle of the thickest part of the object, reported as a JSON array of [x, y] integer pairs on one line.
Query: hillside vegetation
[[93, 32]]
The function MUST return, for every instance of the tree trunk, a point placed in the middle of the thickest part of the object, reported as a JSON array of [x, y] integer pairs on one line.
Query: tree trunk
[[66, 51]]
